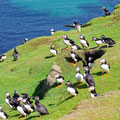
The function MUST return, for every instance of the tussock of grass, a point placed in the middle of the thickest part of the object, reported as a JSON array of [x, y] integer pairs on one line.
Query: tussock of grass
[[28, 73]]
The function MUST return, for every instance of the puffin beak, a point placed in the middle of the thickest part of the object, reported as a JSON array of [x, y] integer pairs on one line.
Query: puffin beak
[[89, 90], [78, 38], [61, 36], [2, 109]]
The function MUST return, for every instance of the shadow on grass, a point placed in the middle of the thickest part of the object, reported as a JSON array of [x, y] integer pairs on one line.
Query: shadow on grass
[[98, 73], [47, 57], [93, 48], [69, 59], [17, 115], [31, 117], [39, 89], [82, 86]]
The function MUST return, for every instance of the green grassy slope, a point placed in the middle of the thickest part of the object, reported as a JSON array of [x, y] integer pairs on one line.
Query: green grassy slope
[[29, 72]]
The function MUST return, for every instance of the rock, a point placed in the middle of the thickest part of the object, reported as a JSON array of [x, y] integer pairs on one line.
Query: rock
[[50, 79]]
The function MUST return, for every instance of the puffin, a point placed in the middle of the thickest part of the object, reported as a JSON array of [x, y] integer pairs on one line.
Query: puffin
[[15, 96], [89, 78], [30, 108], [108, 41], [99, 42], [52, 31], [83, 42], [25, 41], [105, 11], [77, 26], [3, 57], [21, 109], [3, 115], [67, 41], [27, 98], [75, 57], [79, 76], [15, 54], [59, 79], [11, 102], [104, 66], [75, 47], [70, 89], [91, 56], [53, 51], [41, 109], [93, 93]]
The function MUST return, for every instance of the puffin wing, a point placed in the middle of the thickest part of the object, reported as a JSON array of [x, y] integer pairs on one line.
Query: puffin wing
[[61, 77], [71, 41], [25, 110], [110, 40], [90, 80], [69, 26], [76, 91], [77, 56], [6, 115], [86, 25]]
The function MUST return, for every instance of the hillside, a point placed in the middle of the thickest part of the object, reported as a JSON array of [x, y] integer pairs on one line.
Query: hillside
[[27, 75]]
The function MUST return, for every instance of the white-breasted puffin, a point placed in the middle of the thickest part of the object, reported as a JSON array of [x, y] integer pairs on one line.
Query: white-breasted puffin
[[41, 109], [3, 57], [93, 93], [83, 42], [59, 79], [52, 31], [3, 115], [68, 41], [21, 109], [108, 41], [79, 76], [11, 102], [89, 78], [53, 51], [70, 89], [75, 57], [25, 41], [105, 11], [77, 26], [104, 66], [99, 42], [75, 47], [15, 54]]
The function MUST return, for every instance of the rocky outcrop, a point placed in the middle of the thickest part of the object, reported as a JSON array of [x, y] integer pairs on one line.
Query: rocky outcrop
[[50, 78]]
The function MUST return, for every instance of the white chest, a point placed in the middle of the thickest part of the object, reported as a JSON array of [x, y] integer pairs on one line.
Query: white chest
[[67, 42], [2, 115], [99, 42], [59, 80], [20, 110], [79, 77], [53, 51], [92, 95], [71, 91], [105, 67], [84, 43], [28, 108]]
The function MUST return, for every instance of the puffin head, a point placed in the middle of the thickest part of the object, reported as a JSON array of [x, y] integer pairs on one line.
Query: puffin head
[[103, 8], [81, 37], [65, 36], [77, 69], [68, 83], [52, 30], [7, 94], [52, 46], [94, 38], [103, 60], [102, 36], [26, 39]]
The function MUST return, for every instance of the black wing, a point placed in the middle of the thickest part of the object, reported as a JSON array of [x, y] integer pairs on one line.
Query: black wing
[[71, 41], [90, 80], [76, 91], [69, 26], [109, 40], [6, 115], [86, 25], [77, 57], [61, 77]]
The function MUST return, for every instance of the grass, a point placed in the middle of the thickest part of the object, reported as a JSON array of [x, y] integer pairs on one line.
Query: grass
[[27, 75]]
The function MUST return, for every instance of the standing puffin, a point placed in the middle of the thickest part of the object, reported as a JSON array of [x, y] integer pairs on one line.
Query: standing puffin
[[3, 57], [99, 42], [104, 66], [108, 41], [53, 51], [83, 42], [52, 31], [42, 110], [67, 41], [89, 78], [77, 26], [93, 93], [15, 54], [11, 102], [25, 41], [75, 57], [3, 115], [70, 89], [105, 11], [21, 109], [59, 79], [79, 76]]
